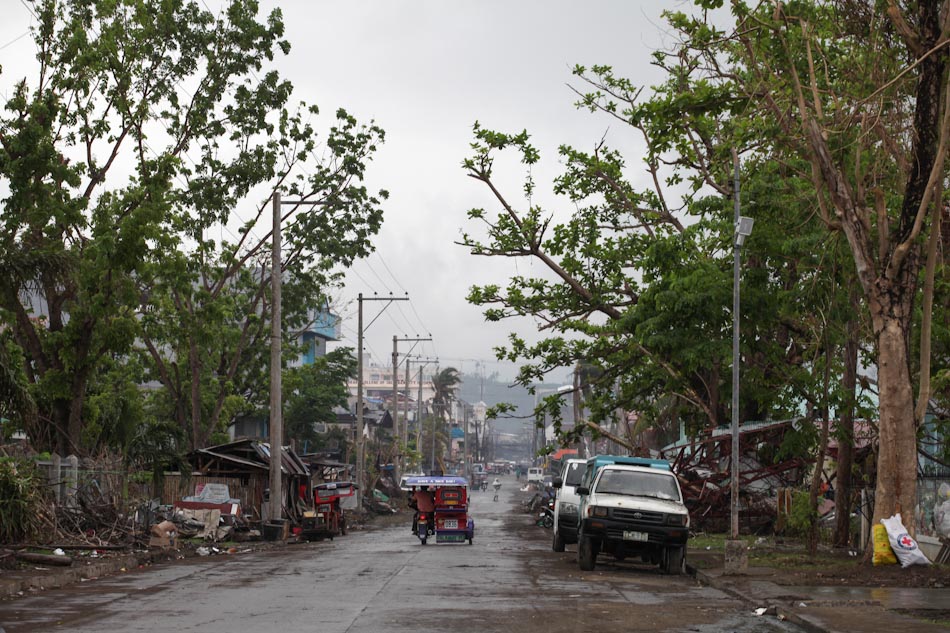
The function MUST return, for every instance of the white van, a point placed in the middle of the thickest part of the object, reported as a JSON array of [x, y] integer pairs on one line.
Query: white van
[[535, 474], [565, 505]]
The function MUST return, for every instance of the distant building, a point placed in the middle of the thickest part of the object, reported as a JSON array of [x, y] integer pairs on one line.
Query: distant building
[[323, 326]]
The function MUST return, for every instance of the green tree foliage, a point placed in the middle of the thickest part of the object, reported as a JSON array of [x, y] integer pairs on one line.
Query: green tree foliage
[[444, 383], [839, 111], [638, 290], [21, 500], [857, 92], [144, 131], [312, 391]]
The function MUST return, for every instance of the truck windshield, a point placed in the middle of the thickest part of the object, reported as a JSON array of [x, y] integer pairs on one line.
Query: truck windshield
[[638, 484], [574, 474]]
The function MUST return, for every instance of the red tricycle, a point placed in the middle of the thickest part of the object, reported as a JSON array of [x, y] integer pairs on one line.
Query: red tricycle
[[328, 518], [441, 505]]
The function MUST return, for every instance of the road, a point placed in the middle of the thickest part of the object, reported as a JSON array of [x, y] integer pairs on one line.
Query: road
[[383, 580]]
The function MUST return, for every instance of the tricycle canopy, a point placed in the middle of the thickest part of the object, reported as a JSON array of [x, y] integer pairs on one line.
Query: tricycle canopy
[[436, 482], [333, 489]]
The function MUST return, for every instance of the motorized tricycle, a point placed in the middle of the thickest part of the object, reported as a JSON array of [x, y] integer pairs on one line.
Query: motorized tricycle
[[441, 505], [328, 518], [480, 480]]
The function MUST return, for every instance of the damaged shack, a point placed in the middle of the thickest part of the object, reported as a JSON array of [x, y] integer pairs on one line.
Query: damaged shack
[[244, 467]]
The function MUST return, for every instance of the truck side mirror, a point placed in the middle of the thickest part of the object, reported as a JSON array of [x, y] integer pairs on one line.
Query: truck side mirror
[[557, 483], [581, 490]]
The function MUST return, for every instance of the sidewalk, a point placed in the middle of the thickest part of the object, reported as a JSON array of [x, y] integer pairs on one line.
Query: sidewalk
[[834, 609], [36, 578]]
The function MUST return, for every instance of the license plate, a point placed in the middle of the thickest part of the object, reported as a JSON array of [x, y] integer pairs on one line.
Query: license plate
[[635, 536], [451, 524]]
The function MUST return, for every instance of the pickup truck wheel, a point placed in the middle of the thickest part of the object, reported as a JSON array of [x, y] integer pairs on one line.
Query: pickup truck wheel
[[673, 560], [558, 544], [586, 554]]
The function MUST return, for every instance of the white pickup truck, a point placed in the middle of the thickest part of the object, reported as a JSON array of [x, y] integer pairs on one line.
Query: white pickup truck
[[632, 510]]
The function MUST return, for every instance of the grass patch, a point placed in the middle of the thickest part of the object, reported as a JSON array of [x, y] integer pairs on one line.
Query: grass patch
[[715, 542]]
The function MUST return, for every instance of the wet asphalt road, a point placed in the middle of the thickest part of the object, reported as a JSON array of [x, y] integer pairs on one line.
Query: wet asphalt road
[[385, 581]]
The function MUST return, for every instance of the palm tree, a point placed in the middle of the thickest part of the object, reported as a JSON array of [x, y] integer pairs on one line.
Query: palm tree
[[444, 384]]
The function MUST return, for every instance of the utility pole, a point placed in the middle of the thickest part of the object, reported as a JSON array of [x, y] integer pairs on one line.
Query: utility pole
[[467, 455], [405, 415], [422, 363], [360, 445], [275, 505], [435, 418], [401, 433]]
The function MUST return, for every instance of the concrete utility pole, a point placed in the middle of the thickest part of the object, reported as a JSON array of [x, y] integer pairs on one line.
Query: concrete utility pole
[[434, 419], [405, 415], [422, 363], [360, 444], [400, 433], [275, 505], [466, 455]]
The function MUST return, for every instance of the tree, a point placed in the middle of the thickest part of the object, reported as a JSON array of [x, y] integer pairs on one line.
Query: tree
[[444, 383], [214, 302], [857, 91], [432, 438], [844, 99], [312, 392], [640, 296], [97, 153]]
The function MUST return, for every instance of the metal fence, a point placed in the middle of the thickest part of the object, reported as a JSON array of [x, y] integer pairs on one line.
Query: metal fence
[[68, 481]]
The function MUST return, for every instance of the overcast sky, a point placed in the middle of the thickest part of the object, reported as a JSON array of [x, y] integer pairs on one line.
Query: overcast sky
[[425, 72]]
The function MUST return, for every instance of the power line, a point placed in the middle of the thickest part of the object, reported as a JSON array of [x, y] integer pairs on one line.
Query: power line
[[28, 8], [383, 261], [14, 41], [375, 274]]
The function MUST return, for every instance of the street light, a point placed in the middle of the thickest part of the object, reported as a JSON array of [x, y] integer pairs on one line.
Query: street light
[[743, 229]]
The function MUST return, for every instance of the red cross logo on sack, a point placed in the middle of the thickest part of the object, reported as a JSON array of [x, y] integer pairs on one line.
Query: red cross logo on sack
[[904, 541]]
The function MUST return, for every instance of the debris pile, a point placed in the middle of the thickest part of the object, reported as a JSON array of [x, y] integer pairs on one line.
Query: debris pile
[[703, 468]]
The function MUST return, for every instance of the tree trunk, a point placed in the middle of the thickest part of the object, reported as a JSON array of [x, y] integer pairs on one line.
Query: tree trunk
[[897, 440], [845, 431], [195, 366], [815, 489]]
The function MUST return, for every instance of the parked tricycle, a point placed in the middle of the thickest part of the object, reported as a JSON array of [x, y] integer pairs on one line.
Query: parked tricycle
[[441, 505], [328, 518]]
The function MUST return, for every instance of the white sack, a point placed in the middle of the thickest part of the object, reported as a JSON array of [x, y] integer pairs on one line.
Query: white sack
[[903, 544]]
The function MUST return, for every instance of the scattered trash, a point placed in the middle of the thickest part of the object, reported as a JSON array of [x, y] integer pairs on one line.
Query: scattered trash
[[203, 551], [59, 552]]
